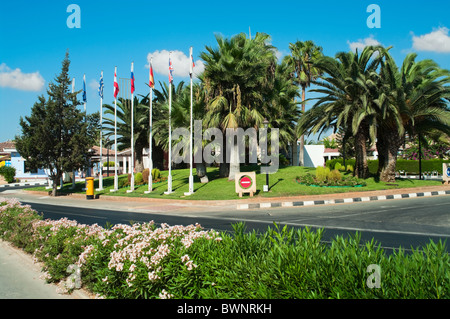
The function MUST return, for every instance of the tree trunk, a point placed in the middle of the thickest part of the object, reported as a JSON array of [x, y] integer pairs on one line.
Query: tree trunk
[[224, 167], [139, 162], [201, 172], [388, 144], [235, 166], [55, 182], [420, 159], [381, 149], [301, 153], [362, 168]]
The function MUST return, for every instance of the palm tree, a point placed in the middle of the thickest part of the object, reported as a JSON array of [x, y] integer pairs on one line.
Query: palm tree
[[236, 79], [411, 100], [161, 118], [180, 116], [346, 102], [302, 59], [282, 109]]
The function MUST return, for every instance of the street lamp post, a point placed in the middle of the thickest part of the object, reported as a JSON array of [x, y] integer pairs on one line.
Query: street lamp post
[[266, 186]]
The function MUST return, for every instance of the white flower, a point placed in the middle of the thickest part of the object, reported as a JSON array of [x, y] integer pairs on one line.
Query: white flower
[[165, 295]]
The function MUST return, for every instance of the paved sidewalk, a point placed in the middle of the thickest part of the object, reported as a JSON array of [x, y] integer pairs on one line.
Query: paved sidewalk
[[20, 277]]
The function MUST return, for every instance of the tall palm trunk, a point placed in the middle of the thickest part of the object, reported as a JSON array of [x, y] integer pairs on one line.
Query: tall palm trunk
[[224, 167], [362, 168], [388, 144], [139, 162], [201, 172], [235, 165], [302, 138]]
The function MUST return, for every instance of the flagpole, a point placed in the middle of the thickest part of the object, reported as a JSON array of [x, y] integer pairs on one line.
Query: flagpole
[[84, 100], [88, 169], [169, 178], [150, 138], [132, 130], [73, 171], [101, 133], [116, 178], [191, 177]]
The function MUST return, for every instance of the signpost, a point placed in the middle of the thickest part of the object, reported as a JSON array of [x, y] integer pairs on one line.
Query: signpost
[[245, 183]]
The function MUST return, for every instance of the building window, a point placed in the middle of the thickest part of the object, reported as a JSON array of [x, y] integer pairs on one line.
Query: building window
[[28, 169]]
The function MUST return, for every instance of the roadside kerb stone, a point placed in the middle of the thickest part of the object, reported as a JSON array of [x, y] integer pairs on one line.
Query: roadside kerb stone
[[341, 200]]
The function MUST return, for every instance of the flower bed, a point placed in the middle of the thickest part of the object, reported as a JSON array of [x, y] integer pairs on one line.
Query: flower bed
[[324, 177]]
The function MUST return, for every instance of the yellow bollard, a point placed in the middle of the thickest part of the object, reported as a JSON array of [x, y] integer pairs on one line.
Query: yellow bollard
[[89, 188]]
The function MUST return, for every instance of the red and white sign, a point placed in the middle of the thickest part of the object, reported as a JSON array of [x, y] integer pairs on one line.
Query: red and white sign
[[245, 182]]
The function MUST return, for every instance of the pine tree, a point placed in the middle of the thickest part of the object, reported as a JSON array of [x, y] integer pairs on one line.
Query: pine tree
[[54, 136]]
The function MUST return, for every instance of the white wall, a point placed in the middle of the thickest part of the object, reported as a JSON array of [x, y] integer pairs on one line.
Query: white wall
[[313, 155]]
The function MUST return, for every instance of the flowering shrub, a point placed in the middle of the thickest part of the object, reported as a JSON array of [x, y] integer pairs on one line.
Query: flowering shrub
[[141, 260], [125, 261], [16, 222]]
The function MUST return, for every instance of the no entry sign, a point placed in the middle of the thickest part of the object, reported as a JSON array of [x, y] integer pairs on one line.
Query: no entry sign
[[245, 183]]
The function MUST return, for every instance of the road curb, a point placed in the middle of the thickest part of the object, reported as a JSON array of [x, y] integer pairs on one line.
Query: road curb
[[339, 201], [24, 184]]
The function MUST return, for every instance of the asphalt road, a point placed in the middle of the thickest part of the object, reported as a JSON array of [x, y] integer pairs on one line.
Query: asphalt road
[[402, 223]]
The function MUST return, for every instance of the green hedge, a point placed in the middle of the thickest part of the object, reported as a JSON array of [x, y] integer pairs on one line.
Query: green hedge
[[409, 166], [145, 261]]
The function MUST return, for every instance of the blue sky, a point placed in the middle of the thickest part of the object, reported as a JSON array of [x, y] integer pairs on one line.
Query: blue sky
[[34, 37]]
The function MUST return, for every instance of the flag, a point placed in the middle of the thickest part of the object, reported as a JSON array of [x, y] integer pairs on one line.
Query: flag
[[152, 80], [84, 89], [192, 62], [132, 78], [100, 87], [116, 85], [170, 71]]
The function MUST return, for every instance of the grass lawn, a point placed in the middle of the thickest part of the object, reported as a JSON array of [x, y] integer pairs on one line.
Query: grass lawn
[[281, 183]]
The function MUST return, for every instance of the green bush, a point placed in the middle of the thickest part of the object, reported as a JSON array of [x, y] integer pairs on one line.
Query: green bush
[[322, 173], [8, 173], [138, 179], [16, 222], [156, 174], [145, 175], [109, 164], [145, 261], [334, 176], [283, 160], [123, 182], [326, 177]]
